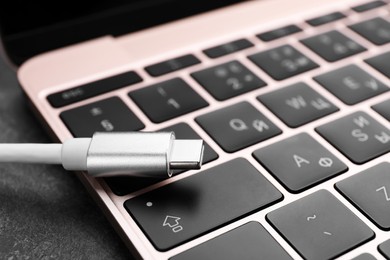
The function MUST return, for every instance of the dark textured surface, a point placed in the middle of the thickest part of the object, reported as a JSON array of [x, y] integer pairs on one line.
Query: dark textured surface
[[45, 212]]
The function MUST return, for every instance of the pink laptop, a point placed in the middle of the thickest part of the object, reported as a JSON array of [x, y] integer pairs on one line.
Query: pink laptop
[[291, 98]]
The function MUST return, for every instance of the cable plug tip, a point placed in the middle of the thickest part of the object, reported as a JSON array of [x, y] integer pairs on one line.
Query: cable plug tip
[[186, 154]]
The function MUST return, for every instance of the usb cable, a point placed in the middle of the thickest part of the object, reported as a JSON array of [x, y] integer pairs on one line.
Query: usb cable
[[149, 154]]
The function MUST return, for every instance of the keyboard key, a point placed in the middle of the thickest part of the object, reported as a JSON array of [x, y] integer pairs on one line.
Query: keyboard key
[[297, 104], [381, 63], [171, 65], [246, 242], [200, 203], [237, 126], [328, 18], [228, 80], [376, 30], [76, 94], [228, 48], [383, 109], [102, 116], [358, 136], [384, 248], [333, 46], [126, 185], [299, 162], [279, 33], [370, 192], [168, 99], [365, 256], [282, 62], [319, 226], [351, 84], [368, 6]]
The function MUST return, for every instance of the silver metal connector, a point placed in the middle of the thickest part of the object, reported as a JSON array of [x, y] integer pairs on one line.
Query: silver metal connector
[[147, 154], [186, 154]]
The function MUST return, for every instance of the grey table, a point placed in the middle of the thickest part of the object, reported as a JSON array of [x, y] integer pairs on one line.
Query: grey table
[[45, 212]]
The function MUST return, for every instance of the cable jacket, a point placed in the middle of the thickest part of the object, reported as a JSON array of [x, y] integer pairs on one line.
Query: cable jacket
[[31, 153]]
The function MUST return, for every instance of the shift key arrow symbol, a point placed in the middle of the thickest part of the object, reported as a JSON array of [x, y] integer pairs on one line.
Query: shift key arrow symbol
[[171, 221]]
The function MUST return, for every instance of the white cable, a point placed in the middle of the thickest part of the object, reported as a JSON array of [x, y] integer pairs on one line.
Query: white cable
[[31, 153], [110, 154]]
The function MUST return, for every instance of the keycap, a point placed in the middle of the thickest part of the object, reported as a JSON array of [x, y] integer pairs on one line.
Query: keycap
[[228, 80], [368, 6], [383, 109], [358, 136], [126, 185], [351, 84], [384, 248], [365, 256], [167, 99], [376, 30], [246, 242], [370, 192], [319, 226], [193, 206], [297, 104], [76, 94], [333, 46], [172, 65], [279, 33], [237, 126], [381, 63], [228, 48], [283, 62], [324, 19], [299, 162], [106, 115]]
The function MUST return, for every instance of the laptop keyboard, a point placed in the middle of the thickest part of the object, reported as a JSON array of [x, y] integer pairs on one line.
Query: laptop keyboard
[[203, 97]]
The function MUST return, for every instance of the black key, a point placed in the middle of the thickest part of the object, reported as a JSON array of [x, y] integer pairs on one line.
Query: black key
[[228, 48], [299, 162], [383, 109], [92, 89], [384, 248], [102, 116], [167, 99], [126, 185], [297, 104], [333, 46], [370, 192], [228, 80], [191, 207], [279, 33], [319, 226], [358, 136], [381, 63], [328, 18], [247, 242], [237, 126], [365, 256], [368, 6], [171, 65], [375, 30], [282, 62], [351, 84]]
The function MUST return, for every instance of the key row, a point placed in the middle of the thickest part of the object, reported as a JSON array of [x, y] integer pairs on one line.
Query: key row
[[280, 63], [318, 226], [358, 136]]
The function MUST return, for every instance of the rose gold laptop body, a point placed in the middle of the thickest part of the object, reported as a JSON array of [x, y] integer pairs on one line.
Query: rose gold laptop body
[[99, 58]]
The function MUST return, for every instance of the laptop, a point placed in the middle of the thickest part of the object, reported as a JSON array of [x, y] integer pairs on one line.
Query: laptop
[[291, 98]]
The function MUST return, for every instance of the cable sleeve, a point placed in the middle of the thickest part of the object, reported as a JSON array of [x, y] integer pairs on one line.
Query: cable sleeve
[[31, 153]]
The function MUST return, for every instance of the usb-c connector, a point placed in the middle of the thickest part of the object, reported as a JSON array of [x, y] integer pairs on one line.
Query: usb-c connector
[[111, 154]]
